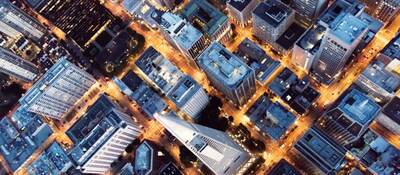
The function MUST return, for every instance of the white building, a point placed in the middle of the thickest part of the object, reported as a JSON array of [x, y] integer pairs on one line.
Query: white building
[[214, 148], [105, 142], [181, 34], [228, 74], [185, 92], [13, 65], [14, 22], [340, 40], [57, 91]]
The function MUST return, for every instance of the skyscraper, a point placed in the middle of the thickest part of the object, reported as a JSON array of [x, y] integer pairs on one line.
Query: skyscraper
[[185, 92], [240, 10], [340, 40], [57, 91], [16, 23], [228, 74], [348, 120], [181, 34], [271, 19], [308, 10], [99, 140], [16, 66], [214, 148]]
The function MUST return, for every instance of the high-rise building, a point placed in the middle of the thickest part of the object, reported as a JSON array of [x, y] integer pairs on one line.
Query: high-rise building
[[271, 18], [390, 116], [57, 91], [214, 148], [379, 82], [350, 118], [209, 20], [101, 136], [308, 10], [305, 50], [240, 10], [185, 92], [168, 4], [340, 40], [228, 74], [16, 23], [322, 154], [16, 66], [81, 20], [181, 34]]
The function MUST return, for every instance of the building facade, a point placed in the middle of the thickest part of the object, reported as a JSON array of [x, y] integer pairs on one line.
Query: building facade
[[228, 74], [16, 23], [13, 65], [340, 40], [308, 10], [271, 19], [57, 91], [240, 10]]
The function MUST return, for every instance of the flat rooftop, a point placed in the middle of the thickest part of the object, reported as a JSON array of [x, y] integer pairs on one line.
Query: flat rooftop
[[348, 27], [377, 74], [284, 168], [240, 5], [273, 12], [392, 109], [183, 91], [159, 69], [290, 36], [96, 137], [359, 107], [255, 57], [311, 40], [204, 16], [224, 65], [392, 49], [90, 119], [279, 118], [180, 30], [18, 145], [54, 160], [341, 6], [283, 82], [321, 150]]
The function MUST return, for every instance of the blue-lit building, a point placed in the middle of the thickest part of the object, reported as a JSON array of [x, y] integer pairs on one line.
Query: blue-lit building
[[379, 82], [308, 10], [169, 169], [149, 159], [53, 161], [180, 88], [101, 136], [390, 116], [323, 155], [391, 52], [137, 90], [209, 20], [255, 57], [271, 18], [228, 73], [350, 118], [21, 136], [284, 168], [271, 119], [57, 91], [282, 82]]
